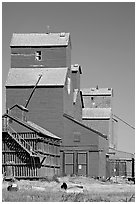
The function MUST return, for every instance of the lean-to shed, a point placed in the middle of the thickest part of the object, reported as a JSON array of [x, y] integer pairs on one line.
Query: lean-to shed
[[31, 151]]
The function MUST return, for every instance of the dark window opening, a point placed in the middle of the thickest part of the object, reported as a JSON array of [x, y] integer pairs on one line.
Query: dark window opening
[[38, 55]]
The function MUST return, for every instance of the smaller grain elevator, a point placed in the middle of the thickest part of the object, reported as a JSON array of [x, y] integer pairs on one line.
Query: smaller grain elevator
[[97, 112]]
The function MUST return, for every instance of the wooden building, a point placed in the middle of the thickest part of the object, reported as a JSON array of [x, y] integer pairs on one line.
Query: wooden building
[[43, 62], [122, 162], [43, 87], [98, 112], [29, 150]]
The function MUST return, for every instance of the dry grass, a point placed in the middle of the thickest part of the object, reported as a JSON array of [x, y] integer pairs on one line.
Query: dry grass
[[50, 191]]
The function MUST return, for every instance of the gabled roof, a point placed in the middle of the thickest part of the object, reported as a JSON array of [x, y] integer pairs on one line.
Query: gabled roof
[[29, 76], [96, 113], [76, 68], [39, 39], [32, 126], [119, 155], [85, 126], [42, 130], [97, 91]]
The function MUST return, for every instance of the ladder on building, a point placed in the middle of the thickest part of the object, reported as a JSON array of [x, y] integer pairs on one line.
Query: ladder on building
[[16, 137], [25, 145]]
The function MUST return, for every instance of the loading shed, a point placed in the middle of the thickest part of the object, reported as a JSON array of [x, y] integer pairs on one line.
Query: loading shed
[[29, 149]]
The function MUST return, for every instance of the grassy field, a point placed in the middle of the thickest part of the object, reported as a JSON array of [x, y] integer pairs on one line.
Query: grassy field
[[80, 189]]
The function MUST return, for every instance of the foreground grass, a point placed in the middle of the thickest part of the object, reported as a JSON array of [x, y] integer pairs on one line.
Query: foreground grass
[[49, 190], [44, 196]]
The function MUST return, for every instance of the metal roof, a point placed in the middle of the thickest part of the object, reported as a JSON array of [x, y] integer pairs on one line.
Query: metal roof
[[29, 76], [76, 68], [95, 113], [42, 130], [95, 91], [40, 39], [120, 154], [32, 126]]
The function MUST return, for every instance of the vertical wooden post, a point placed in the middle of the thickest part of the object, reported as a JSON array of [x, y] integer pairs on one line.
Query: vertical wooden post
[[133, 172], [87, 163], [75, 159], [63, 163]]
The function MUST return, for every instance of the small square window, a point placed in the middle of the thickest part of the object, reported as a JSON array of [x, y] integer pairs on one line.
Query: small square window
[[38, 55], [76, 136]]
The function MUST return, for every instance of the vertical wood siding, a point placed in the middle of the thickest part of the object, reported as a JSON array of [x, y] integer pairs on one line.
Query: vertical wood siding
[[24, 166]]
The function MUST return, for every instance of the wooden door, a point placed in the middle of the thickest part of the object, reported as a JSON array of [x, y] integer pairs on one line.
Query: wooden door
[[82, 163], [69, 163]]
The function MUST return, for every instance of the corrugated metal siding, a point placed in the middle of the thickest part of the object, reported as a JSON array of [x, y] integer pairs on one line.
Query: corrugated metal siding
[[51, 57]]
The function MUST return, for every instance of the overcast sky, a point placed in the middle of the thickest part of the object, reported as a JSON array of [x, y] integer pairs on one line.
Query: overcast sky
[[103, 41]]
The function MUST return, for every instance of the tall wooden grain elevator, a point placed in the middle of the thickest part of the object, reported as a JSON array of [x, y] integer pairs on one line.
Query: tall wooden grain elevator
[[43, 87]]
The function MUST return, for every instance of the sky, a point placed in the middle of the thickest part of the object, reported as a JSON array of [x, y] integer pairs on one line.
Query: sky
[[103, 43]]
